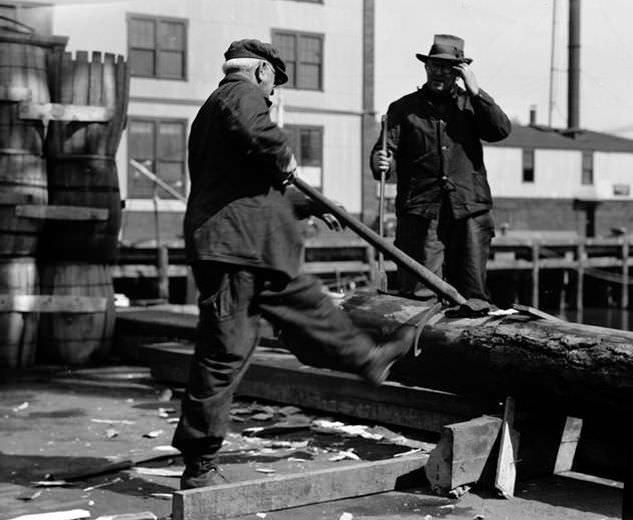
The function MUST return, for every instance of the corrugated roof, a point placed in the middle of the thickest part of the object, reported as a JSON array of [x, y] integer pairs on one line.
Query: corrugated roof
[[561, 139]]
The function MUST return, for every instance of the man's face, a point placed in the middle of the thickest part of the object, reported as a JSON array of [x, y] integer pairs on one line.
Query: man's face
[[440, 75]]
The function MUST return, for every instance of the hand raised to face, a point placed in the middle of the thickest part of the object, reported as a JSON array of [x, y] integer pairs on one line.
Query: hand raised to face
[[470, 81]]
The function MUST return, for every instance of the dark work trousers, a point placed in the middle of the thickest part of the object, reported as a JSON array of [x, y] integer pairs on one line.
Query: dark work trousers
[[456, 250], [232, 299]]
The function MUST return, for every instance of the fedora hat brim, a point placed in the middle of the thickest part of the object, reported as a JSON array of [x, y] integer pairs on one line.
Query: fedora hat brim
[[446, 57]]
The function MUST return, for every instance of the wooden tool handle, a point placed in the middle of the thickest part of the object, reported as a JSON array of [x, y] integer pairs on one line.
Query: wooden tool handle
[[402, 259]]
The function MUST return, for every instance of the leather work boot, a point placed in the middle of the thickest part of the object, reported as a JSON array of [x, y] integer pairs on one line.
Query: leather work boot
[[383, 356], [201, 472]]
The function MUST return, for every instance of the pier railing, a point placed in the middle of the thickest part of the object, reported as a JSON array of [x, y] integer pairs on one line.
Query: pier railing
[[343, 260]]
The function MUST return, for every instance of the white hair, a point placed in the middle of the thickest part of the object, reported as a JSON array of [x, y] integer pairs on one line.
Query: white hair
[[240, 64]]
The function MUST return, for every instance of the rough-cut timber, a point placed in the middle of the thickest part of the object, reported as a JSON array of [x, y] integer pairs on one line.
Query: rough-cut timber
[[462, 453], [582, 369], [296, 489]]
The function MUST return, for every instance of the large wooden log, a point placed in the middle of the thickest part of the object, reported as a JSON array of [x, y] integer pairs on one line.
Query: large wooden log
[[581, 369]]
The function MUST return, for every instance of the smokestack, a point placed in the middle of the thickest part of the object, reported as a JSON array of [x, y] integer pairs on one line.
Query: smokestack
[[573, 74], [532, 115]]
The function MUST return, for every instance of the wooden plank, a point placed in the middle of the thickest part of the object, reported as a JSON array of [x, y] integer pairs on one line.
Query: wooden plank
[[296, 489], [61, 212], [52, 303], [568, 444], [59, 112], [461, 453], [72, 514], [279, 377], [506, 474], [147, 271], [332, 267]]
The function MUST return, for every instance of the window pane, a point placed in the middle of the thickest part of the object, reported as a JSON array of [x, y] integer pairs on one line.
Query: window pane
[[172, 173], [171, 35], [141, 141], [139, 186], [171, 141], [310, 49], [286, 43], [528, 165], [309, 77], [170, 65], [310, 147], [142, 34], [141, 62]]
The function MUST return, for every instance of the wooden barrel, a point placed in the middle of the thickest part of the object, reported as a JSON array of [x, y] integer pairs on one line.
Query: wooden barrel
[[77, 336], [79, 182], [23, 78], [22, 181], [97, 80], [18, 330]]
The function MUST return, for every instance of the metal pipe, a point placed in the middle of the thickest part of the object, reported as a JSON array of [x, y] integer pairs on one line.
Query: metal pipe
[[573, 74]]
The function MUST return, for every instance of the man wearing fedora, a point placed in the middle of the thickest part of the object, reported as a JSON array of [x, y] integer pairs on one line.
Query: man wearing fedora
[[434, 149], [243, 244]]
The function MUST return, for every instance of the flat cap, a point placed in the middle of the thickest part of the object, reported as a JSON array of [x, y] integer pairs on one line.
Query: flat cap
[[250, 48]]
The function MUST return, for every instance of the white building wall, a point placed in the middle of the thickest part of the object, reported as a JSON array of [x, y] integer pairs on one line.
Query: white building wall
[[613, 168], [212, 25], [557, 174]]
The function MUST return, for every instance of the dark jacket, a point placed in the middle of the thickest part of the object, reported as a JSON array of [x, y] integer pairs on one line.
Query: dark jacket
[[237, 211], [436, 143]]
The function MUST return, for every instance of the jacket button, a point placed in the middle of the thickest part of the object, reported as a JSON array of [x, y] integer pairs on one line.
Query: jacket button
[[444, 178], [444, 147]]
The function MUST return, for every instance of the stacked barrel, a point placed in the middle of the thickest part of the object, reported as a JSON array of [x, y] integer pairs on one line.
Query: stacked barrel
[[76, 253], [60, 206], [23, 77]]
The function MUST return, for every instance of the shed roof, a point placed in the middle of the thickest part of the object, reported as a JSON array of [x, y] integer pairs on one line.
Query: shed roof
[[562, 139]]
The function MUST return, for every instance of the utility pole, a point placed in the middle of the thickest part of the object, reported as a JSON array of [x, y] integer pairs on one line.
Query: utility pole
[[552, 67]]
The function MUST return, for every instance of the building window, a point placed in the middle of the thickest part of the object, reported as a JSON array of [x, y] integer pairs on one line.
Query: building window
[[303, 55], [587, 168], [528, 165], [159, 145], [307, 144], [157, 47]]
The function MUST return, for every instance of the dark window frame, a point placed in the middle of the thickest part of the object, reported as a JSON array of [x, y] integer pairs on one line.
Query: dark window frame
[[157, 121], [293, 131], [528, 171], [156, 49], [297, 35], [587, 170]]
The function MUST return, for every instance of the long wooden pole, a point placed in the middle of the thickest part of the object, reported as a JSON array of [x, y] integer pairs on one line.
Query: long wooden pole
[[382, 275], [402, 259]]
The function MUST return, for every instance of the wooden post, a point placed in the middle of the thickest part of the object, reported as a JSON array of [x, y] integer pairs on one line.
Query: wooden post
[[535, 274], [624, 294], [163, 276], [191, 296], [580, 273], [627, 491]]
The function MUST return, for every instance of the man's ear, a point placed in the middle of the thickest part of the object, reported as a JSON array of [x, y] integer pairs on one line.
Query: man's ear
[[259, 71]]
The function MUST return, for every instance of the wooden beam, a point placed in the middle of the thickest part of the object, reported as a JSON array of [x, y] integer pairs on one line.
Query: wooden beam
[[296, 489], [279, 377], [52, 303], [61, 212], [59, 112], [568, 444], [462, 453]]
